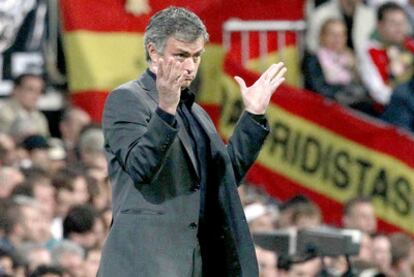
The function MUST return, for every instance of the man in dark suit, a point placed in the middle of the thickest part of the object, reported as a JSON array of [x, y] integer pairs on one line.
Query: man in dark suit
[[176, 210]]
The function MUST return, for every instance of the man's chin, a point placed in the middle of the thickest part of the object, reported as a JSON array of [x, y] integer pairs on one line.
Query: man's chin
[[186, 84]]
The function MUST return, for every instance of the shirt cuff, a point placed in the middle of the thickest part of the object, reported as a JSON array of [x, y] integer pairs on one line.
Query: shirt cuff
[[259, 118], [167, 117]]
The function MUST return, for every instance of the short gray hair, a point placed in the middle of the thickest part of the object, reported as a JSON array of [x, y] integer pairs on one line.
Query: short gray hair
[[66, 246], [174, 22]]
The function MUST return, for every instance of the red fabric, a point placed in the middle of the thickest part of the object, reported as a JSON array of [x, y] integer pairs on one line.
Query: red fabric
[[91, 101], [381, 61]]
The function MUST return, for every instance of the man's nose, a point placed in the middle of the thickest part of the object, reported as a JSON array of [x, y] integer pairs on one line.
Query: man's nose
[[189, 65]]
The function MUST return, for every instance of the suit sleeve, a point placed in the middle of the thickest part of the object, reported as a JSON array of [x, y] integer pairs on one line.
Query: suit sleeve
[[245, 144], [138, 137]]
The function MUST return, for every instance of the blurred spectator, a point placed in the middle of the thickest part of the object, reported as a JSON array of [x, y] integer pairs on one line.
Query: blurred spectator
[[43, 191], [91, 264], [37, 148], [57, 155], [359, 214], [400, 110], [72, 122], [409, 9], [100, 191], [267, 261], [78, 226], [250, 193], [100, 230], [23, 104], [8, 155], [288, 208], [387, 60], [9, 179], [35, 255], [359, 20], [4, 220], [310, 268], [71, 188], [70, 257], [6, 263], [365, 251], [402, 256], [91, 150], [48, 271], [306, 215], [260, 217], [22, 128], [106, 216], [23, 189], [377, 3], [381, 253], [24, 225], [331, 71]]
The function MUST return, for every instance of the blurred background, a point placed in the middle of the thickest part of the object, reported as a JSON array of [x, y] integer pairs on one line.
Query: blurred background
[[340, 153]]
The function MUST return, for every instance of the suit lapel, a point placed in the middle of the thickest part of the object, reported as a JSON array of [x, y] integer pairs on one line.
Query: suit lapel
[[148, 84], [216, 144], [185, 140]]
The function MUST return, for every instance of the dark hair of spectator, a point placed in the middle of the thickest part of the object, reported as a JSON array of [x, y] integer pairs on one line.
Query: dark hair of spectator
[[35, 174], [294, 201], [43, 270], [65, 177], [24, 188], [355, 201], [308, 209], [388, 7], [18, 81], [80, 219], [11, 217], [400, 247]]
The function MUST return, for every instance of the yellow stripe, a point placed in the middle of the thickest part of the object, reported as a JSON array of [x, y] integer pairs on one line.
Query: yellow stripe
[[317, 158], [211, 73], [102, 61]]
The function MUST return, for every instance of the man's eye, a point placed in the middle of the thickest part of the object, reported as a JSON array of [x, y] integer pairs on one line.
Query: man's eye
[[180, 56]]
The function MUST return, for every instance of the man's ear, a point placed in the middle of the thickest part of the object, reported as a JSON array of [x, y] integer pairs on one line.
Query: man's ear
[[153, 53]]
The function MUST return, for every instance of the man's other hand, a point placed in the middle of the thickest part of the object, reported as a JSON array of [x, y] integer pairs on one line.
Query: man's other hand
[[256, 98]]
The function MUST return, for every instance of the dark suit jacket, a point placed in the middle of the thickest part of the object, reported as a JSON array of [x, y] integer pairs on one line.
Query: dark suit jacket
[[155, 200]]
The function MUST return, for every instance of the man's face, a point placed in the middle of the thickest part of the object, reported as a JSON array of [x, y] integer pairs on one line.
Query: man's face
[[393, 27], [334, 37], [362, 217], [32, 223], [29, 92], [187, 53]]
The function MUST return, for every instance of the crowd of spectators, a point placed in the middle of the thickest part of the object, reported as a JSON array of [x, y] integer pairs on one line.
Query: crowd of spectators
[[360, 54], [55, 195], [379, 254]]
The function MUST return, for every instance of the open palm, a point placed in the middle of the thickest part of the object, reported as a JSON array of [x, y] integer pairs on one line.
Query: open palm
[[256, 98]]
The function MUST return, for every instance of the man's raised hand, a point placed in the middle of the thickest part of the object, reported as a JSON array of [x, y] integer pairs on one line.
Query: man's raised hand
[[169, 78], [256, 98]]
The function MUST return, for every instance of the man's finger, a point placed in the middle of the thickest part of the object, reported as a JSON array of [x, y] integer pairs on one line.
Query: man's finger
[[167, 70], [176, 71], [276, 71], [266, 74], [279, 75], [241, 83], [160, 68]]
